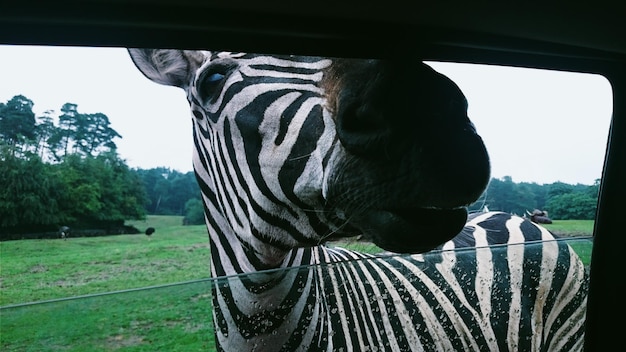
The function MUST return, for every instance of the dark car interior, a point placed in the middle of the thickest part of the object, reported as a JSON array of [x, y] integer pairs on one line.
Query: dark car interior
[[561, 36]]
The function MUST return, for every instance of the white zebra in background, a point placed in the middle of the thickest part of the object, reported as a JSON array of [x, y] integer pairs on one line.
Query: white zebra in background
[[291, 152]]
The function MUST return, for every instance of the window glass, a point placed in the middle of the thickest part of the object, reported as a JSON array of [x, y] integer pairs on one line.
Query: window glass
[[147, 282]]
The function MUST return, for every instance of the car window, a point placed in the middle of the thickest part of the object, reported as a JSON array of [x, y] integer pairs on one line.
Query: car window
[[86, 121]]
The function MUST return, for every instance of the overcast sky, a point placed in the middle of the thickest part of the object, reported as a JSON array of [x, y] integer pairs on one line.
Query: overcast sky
[[538, 126]]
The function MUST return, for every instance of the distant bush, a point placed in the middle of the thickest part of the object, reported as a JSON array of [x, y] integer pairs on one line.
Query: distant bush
[[167, 190], [194, 212], [569, 206]]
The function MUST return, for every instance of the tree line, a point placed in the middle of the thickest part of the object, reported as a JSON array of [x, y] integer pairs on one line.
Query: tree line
[[63, 172], [561, 200], [66, 172], [170, 192], [25, 134]]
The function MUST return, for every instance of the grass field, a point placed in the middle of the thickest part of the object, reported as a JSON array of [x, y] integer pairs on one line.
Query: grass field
[[571, 228], [170, 318], [34, 270], [162, 318], [173, 318]]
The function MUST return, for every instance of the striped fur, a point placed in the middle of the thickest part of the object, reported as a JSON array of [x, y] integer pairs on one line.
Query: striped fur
[[277, 183], [528, 295]]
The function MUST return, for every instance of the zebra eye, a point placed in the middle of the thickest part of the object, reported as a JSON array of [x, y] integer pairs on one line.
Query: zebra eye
[[215, 77], [211, 82]]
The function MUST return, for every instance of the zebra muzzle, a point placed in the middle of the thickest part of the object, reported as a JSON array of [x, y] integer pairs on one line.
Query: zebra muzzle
[[414, 230]]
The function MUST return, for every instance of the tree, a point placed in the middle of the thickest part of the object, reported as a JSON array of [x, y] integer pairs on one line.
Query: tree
[[94, 134], [561, 200], [168, 190], [183, 187], [505, 195], [594, 190], [157, 188], [44, 129], [536, 192], [574, 205], [559, 188], [85, 134], [102, 190], [30, 195], [82, 196], [67, 128], [194, 212], [89, 186], [17, 121]]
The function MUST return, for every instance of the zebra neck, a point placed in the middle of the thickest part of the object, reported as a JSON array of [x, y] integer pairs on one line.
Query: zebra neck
[[232, 256], [236, 259]]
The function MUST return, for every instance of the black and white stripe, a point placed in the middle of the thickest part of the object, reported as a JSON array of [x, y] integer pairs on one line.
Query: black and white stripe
[[527, 295], [267, 157]]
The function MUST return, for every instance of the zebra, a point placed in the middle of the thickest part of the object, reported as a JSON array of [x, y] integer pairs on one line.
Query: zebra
[[292, 152]]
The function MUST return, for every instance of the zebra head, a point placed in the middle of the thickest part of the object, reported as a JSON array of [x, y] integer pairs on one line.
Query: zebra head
[[291, 151]]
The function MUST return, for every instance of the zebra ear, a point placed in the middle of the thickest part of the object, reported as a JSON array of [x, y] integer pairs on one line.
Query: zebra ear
[[168, 67]]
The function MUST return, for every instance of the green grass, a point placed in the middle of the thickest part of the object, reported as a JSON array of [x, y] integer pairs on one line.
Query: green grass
[[34, 270], [583, 248], [167, 318], [173, 318], [571, 228]]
